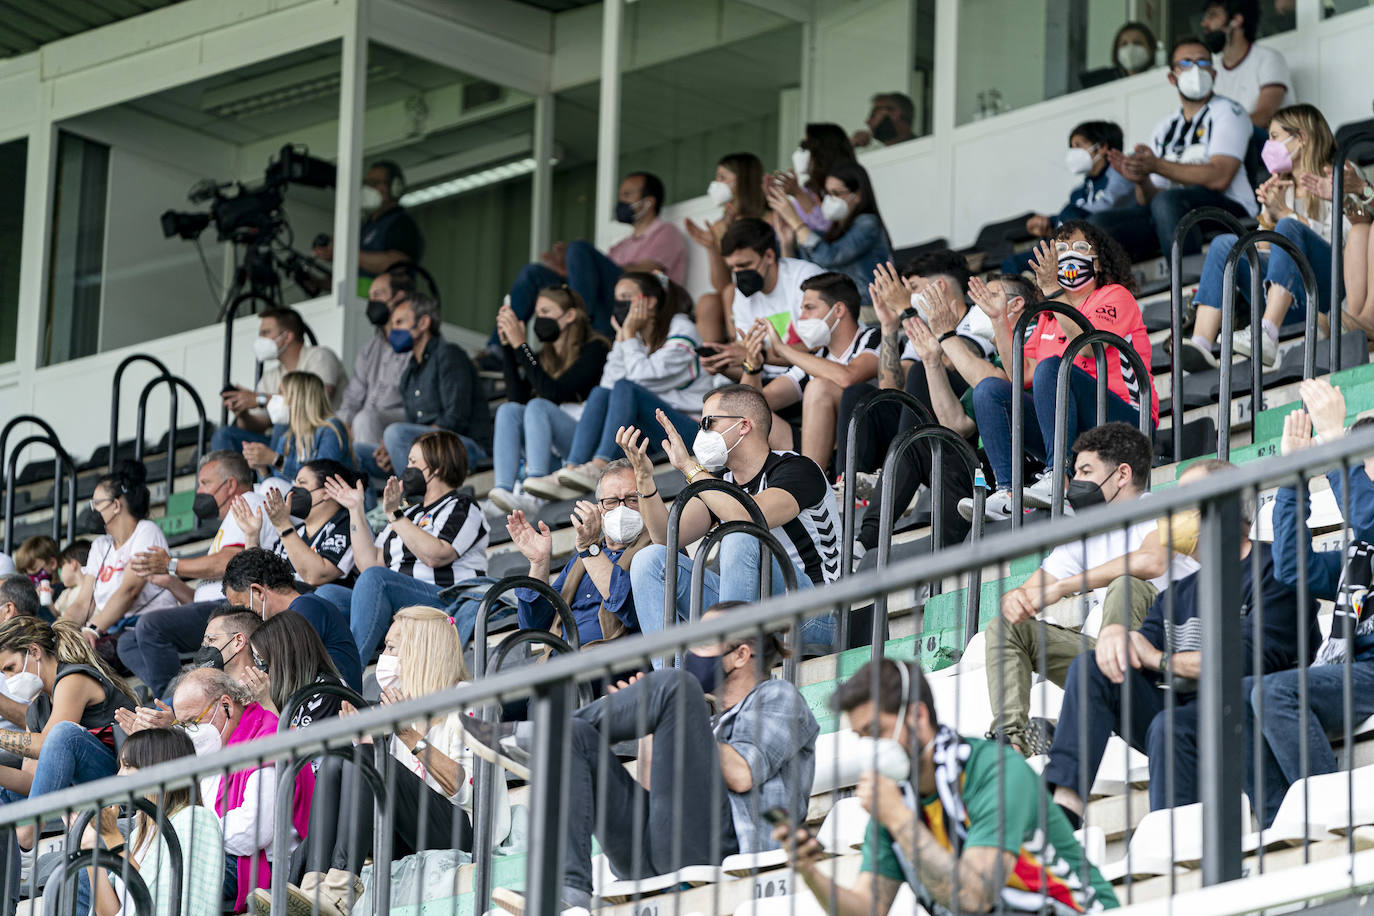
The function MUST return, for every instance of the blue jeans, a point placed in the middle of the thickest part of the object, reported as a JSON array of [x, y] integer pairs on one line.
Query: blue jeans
[[591, 275], [738, 581], [534, 433], [398, 439], [587, 436], [632, 404], [1278, 267], [70, 756], [1144, 231], [1281, 731], [374, 599], [992, 408], [231, 438]]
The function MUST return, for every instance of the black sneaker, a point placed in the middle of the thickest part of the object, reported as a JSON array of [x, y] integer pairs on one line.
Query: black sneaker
[[497, 743]]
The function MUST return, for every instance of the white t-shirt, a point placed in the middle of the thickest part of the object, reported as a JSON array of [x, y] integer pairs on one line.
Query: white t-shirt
[[319, 360], [107, 562], [1262, 66], [1220, 128], [975, 327], [781, 307], [230, 534], [866, 340]]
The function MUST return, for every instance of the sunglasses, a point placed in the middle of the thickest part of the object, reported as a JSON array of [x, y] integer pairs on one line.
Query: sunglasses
[[707, 421]]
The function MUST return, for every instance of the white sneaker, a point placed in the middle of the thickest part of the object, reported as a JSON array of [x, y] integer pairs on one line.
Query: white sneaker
[[1269, 348], [510, 501], [580, 477], [546, 487], [1040, 494], [1197, 358], [996, 508]]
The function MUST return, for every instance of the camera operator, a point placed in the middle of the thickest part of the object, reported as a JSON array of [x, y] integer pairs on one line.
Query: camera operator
[[388, 234], [281, 347]]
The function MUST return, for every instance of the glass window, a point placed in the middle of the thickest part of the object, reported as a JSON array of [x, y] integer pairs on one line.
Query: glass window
[[1329, 7], [13, 163], [72, 326]]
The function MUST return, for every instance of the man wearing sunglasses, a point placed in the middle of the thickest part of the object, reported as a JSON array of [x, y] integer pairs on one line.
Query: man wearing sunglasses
[[596, 584], [1193, 160], [789, 489]]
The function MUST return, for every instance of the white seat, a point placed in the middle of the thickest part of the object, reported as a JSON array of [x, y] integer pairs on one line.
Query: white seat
[[803, 904], [1327, 808], [1115, 775], [1148, 852], [1093, 839], [841, 832], [615, 891]]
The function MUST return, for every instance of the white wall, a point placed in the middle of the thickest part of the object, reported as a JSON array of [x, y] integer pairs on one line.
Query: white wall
[[861, 49]]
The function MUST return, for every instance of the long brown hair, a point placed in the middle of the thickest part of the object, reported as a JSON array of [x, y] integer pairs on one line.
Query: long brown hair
[[1318, 148], [748, 172], [574, 337], [670, 299], [148, 748], [63, 641]]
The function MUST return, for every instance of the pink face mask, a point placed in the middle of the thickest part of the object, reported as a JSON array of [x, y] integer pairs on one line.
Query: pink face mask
[[1276, 157]]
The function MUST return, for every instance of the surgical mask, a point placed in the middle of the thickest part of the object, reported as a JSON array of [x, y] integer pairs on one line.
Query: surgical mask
[[413, 484], [708, 670], [401, 340], [801, 161], [1084, 493], [720, 193], [388, 671], [546, 330], [748, 282], [710, 449], [378, 311], [625, 213], [1195, 83], [918, 302], [892, 760], [299, 503], [885, 131], [622, 524], [1075, 270], [204, 507], [205, 737], [265, 348], [370, 198], [834, 208], [25, 685], [1180, 533], [1133, 57], [277, 411], [1276, 157], [815, 332], [1078, 161]]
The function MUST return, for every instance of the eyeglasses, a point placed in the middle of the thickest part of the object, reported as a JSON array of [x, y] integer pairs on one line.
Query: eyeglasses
[[707, 421], [1080, 246], [97, 503], [259, 662], [183, 723], [611, 503], [1188, 63]]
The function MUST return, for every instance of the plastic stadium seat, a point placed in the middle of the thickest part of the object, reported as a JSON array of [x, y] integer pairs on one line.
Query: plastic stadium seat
[[841, 833], [1115, 776], [1327, 807], [1199, 438], [1149, 853]]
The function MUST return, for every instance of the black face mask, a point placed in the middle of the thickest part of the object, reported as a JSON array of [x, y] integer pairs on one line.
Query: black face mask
[[625, 213], [378, 311], [1215, 40], [748, 282], [885, 131], [210, 657], [621, 310], [1084, 493], [547, 329], [709, 671], [413, 484], [300, 503], [205, 507]]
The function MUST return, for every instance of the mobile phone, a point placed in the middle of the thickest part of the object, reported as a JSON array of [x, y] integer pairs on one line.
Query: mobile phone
[[777, 816], [706, 350]]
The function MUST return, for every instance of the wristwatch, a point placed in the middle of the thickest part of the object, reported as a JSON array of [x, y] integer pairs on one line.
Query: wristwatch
[[592, 551], [172, 565], [420, 745], [262, 400], [397, 514], [947, 335]]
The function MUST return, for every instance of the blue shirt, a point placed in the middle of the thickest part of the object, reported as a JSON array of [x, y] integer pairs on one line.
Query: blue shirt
[[862, 247], [1104, 191], [334, 633], [331, 441], [535, 612]]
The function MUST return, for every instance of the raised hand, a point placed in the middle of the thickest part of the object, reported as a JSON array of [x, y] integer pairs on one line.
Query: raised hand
[[941, 314], [348, 497], [889, 294], [635, 445], [1046, 266], [248, 518], [274, 506], [1326, 405], [1297, 432], [992, 302], [679, 455], [586, 522], [926, 344], [391, 495], [702, 235], [535, 546]]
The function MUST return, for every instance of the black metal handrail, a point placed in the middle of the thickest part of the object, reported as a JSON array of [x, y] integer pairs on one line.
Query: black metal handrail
[[296, 702], [1246, 243], [530, 635], [115, 396], [230, 312], [175, 857], [24, 418], [173, 382], [851, 448], [671, 542], [1061, 403], [1018, 389], [63, 464], [1190, 219], [66, 872], [1348, 137]]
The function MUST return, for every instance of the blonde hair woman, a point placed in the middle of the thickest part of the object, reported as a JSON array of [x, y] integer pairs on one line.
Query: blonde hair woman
[[422, 655], [1300, 148], [307, 428]]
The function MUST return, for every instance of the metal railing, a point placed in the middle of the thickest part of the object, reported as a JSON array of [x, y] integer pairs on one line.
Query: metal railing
[[65, 467], [115, 397], [173, 382], [1348, 138], [560, 727], [672, 544]]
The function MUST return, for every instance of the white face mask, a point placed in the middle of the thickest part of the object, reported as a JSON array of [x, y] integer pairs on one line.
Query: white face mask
[[388, 671], [710, 449], [801, 161], [265, 348], [892, 759], [622, 524], [1078, 161], [720, 193], [205, 737], [25, 685], [918, 302], [815, 332], [1195, 83], [277, 411], [1133, 57], [834, 208], [370, 198]]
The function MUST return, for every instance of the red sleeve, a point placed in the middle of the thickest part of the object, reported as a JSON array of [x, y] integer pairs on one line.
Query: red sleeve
[[1115, 309]]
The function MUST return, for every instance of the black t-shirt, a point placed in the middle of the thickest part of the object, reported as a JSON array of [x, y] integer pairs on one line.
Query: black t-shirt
[[322, 706], [393, 230], [97, 718], [330, 541], [812, 539]]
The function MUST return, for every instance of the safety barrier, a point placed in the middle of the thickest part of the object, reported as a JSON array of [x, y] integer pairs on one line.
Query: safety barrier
[[115, 399], [296, 702], [672, 544], [67, 898], [1348, 138], [65, 468], [173, 382]]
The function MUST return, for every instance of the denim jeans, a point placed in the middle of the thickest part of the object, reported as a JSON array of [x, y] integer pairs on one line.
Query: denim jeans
[[1281, 730], [152, 647], [374, 599], [533, 433], [992, 407], [398, 439], [738, 581], [670, 706], [231, 438], [1278, 267], [591, 275], [70, 756], [587, 436], [632, 404], [1144, 231]]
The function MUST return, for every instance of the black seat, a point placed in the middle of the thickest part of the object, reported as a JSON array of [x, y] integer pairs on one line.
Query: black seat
[[902, 255], [1199, 438], [997, 240]]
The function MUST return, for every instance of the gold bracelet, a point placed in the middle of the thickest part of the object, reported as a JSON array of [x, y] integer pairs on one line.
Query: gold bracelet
[[691, 475]]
